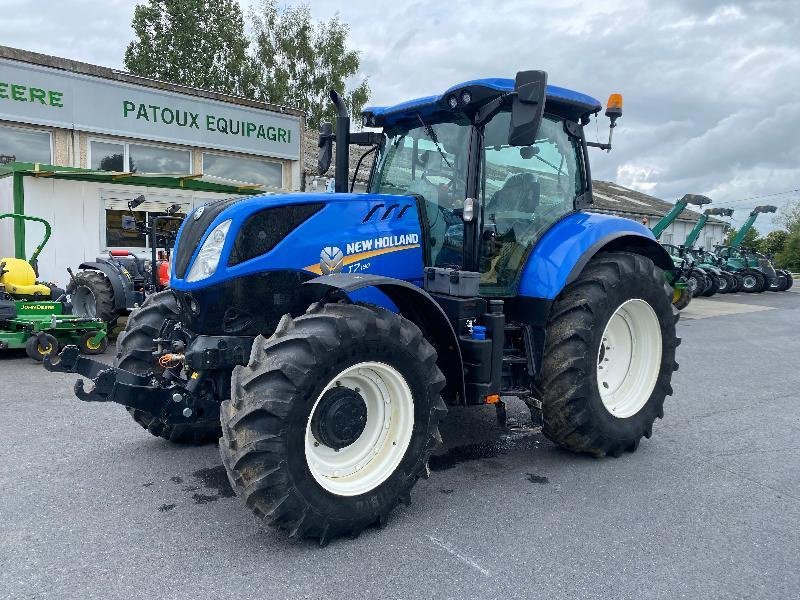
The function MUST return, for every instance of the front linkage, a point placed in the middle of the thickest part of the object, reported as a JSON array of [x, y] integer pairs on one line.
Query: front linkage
[[171, 400]]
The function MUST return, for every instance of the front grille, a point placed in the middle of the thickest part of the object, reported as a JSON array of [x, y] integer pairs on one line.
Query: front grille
[[193, 232], [264, 229]]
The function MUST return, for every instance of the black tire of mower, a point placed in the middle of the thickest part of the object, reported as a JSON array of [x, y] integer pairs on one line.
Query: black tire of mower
[[713, 285], [134, 346], [761, 281], [103, 293], [264, 423], [574, 416], [85, 344], [37, 351]]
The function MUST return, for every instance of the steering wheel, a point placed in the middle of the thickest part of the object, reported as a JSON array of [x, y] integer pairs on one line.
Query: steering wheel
[[451, 176]]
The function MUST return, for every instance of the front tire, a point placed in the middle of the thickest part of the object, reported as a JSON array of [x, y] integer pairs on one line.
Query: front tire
[[609, 356], [696, 282], [134, 348], [307, 432], [92, 296], [713, 285], [753, 282]]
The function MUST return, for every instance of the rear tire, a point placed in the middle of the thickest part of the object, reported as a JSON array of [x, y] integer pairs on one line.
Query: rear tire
[[134, 346], [737, 283], [789, 281], [285, 469], [92, 296], [585, 316], [753, 282]]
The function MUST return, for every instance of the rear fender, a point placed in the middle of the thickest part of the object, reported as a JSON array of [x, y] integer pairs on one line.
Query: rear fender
[[416, 305], [564, 251]]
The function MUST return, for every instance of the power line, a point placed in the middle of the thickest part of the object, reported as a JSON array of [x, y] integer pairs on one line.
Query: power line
[[761, 196]]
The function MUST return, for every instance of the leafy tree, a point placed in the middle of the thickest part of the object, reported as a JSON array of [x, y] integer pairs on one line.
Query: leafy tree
[[789, 257], [789, 216], [773, 242], [751, 239], [299, 60], [199, 43]]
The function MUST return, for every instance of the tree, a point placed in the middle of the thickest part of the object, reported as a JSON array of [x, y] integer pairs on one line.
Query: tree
[[299, 61], [772, 243], [751, 239], [199, 43], [789, 216], [789, 257]]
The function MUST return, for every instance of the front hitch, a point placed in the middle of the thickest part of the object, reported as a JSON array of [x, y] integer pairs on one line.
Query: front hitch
[[171, 403]]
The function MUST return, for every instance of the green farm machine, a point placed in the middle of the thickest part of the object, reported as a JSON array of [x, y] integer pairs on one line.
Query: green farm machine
[[691, 280], [33, 315], [722, 279], [757, 272]]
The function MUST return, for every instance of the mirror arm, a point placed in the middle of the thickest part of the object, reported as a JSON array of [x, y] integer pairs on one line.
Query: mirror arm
[[490, 109]]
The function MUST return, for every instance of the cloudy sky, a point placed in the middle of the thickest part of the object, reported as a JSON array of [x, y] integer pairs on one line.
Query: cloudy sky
[[711, 87]]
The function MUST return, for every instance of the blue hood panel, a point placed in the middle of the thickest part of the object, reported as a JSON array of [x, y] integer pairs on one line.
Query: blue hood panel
[[372, 233]]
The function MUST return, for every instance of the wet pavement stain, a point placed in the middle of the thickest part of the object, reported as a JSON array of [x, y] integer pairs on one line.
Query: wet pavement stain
[[446, 491], [166, 507], [148, 484], [215, 478], [176, 479], [522, 440], [537, 478], [204, 498]]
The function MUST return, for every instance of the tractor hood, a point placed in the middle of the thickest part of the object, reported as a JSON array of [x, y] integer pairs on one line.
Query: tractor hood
[[307, 233]]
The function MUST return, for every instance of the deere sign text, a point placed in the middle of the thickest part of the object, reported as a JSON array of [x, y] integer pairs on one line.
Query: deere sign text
[[51, 97]]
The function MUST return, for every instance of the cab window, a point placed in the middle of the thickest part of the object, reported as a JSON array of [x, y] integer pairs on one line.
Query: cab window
[[525, 191]]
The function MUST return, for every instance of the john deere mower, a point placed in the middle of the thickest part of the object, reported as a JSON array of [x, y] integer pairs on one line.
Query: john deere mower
[[33, 315], [323, 336]]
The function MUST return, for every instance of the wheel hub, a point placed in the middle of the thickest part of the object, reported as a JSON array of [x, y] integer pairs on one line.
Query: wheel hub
[[628, 358], [340, 418], [749, 281]]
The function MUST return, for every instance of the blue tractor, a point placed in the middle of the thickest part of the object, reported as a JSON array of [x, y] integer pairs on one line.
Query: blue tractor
[[323, 336]]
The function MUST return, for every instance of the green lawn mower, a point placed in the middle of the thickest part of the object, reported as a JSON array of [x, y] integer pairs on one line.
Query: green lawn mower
[[33, 315]]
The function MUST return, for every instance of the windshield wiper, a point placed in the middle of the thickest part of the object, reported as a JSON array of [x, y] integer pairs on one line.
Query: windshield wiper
[[433, 137]]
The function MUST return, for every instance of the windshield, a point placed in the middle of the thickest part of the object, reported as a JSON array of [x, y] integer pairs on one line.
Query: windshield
[[430, 161]]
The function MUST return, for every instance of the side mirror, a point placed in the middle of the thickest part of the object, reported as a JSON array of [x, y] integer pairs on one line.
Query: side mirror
[[128, 223], [325, 148], [527, 108]]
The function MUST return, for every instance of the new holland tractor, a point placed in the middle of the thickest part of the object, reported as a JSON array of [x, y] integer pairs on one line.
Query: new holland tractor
[[323, 336], [691, 279], [756, 270]]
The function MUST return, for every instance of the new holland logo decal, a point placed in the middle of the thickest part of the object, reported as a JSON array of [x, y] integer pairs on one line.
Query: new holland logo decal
[[333, 260]]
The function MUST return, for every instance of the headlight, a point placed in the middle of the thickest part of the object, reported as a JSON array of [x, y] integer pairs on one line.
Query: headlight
[[208, 258]]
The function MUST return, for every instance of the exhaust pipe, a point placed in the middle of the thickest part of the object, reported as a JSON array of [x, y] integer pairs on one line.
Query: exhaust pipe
[[342, 166]]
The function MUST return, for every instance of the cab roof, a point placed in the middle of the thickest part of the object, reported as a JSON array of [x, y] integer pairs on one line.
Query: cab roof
[[562, 102]]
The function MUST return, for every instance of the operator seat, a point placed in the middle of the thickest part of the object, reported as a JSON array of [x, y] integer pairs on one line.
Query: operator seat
[[521, 193], [19, 279]]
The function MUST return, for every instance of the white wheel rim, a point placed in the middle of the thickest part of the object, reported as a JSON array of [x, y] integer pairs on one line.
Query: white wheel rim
[[629, 358], [749, 281], [374, 456]]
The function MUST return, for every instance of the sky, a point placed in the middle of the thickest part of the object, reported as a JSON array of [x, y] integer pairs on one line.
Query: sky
[[710, 87]]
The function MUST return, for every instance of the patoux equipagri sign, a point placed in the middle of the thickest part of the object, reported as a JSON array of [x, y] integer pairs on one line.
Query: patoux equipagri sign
[[45, 96]]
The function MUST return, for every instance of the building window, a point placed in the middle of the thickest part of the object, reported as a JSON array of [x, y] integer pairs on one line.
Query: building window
[[116, 209], [25, 145], [138, 158], [245, 170], [666, 238], [107, 156]]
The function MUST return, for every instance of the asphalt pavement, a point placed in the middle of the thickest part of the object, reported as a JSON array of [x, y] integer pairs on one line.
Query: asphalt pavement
[[91, 506]]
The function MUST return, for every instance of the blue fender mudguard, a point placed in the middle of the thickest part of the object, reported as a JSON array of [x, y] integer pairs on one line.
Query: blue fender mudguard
[[564, 250]]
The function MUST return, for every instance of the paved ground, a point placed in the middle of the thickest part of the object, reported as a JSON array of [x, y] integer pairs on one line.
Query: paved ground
[[92, 507]]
